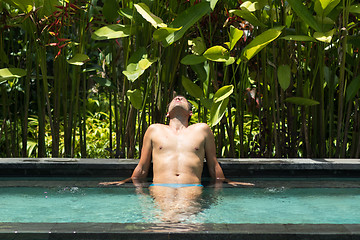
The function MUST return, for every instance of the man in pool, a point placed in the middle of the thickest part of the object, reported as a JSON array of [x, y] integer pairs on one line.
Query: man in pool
[[177, 151]]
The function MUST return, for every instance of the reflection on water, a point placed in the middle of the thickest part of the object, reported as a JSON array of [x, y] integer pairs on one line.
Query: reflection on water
[[175, 227]]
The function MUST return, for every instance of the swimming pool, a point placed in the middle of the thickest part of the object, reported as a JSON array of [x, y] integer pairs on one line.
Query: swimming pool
[[271, 201]]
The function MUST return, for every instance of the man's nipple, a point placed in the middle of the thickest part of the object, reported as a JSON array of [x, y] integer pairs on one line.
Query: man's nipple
[[160, 147]]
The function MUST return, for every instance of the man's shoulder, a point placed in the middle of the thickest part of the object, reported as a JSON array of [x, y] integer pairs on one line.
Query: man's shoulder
[[156, 126], [200, 126]]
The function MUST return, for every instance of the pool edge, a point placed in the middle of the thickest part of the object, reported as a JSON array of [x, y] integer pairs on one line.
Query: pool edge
[[175, 231]]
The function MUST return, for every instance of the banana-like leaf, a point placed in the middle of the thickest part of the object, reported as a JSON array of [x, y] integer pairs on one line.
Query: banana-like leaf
[[11, 73], [111, 10], [217, 54], [192, 59], [284, 76], [145, 12], [217, 111], [303, 12], [135, 97], [113, 31], [79, 59], [198, 45], [259, 43], [185, 20], [355, 8], [223, 93], [249, 16], [193, 89], [235, 35], [302, 101]]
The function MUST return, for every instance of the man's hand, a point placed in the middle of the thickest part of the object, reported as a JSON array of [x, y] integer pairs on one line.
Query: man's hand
[[117, 183], [233, 183]]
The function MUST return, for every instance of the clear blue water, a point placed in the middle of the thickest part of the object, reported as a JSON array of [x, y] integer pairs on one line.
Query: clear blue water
[[227, 205]]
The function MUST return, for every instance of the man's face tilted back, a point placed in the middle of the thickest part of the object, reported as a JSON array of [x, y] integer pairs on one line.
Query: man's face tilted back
[[179, 103]]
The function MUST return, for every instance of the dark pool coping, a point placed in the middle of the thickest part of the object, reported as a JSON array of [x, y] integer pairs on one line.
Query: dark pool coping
[[177, 231], [124, 167]]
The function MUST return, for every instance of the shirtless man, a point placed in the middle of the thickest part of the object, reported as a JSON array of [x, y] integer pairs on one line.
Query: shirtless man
[[177, 151]]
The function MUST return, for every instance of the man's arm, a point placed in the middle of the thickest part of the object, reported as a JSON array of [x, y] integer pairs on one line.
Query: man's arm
[[142, 169], [215, 169]]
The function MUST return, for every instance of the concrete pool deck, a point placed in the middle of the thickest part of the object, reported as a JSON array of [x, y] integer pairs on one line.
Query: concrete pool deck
[[124, 167], [99, 168]]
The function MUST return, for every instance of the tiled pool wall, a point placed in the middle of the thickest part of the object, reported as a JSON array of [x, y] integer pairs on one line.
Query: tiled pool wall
[[45, 167]]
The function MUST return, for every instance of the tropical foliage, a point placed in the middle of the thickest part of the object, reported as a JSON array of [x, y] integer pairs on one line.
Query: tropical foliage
[[273, 78]]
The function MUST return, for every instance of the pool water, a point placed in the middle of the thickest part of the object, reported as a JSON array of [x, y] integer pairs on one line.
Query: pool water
[[226, 205]]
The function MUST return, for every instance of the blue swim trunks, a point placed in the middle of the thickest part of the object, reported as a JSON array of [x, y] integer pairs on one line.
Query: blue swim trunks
[[176, 185]]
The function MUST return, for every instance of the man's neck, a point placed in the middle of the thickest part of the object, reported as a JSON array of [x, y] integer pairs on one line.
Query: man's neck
[[178, 124]]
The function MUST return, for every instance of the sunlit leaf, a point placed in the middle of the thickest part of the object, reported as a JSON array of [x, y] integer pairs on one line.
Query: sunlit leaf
[[217, 54], [303, 12], [162, 33], [186, 20], [11, 73], [284, 76], [250, 6], [353, 88], [79, 59], [324, 37], [192, 59], [235, 35], [212, 3], [193, 89], [260, 42], [137, 64], [217, 111], [145, 12], [113, 31], [135, 97], [301, 38], [230, 61], [126, 12], [301, 101], [249, 16], [223, 93]]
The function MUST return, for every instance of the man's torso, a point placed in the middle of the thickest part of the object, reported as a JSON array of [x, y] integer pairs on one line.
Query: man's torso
[[178, 156]]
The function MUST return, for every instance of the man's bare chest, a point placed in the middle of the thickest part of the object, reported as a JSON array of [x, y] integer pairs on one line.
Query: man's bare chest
[[186, 142]]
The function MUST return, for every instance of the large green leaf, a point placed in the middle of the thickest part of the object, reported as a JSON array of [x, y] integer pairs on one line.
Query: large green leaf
[[301, 101], [284, 76], [185, 20], [353, 88], [235, 35], [303, 12], [217, 111], [223, 93], [249, 16], [113, 31], [192, 59], [135, 97], [11, 73], [193, 89], [212, 3], [217, 54], [260, 42], [145, 12], [79, 59]]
